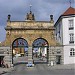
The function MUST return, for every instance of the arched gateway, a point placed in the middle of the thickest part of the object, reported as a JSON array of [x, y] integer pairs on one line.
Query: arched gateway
[[40, 49], [19, 51], [32, 39]]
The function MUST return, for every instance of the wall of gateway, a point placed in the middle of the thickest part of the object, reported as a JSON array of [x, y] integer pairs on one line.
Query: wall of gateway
[[53, 52], [6, 53], [30, 36]]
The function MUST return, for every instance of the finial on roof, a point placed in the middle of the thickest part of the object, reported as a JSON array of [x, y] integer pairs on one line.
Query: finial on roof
[[70, 2], [30, 7]]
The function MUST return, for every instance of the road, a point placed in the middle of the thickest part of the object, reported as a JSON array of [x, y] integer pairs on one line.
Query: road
[[39, 69]]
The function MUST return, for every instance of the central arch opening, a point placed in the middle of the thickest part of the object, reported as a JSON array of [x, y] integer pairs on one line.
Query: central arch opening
[[19, 51], [40, 49]]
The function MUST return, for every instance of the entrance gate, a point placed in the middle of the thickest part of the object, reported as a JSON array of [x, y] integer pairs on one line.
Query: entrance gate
[[40, 51], [19, 51]]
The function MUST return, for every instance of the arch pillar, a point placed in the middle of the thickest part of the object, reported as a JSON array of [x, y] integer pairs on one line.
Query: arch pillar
[[51, 60], [30, 60]]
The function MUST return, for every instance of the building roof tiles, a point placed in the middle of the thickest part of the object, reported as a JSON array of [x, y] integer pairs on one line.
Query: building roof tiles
[[69, 11]]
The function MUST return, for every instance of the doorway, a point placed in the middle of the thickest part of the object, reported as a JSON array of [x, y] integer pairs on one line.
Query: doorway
[[58, 59], [1, 59]]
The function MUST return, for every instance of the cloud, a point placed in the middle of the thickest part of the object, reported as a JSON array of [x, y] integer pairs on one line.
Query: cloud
[[41, 8], [59, 1]]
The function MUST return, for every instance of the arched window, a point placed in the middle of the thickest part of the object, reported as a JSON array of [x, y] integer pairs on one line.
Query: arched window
[[40, 42], [20, 42]]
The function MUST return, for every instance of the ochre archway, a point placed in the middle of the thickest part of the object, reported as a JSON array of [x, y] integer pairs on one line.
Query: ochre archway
[[19, 51], [40, 50]]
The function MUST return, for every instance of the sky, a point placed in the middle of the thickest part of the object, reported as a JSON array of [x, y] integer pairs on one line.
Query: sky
[[42, 10]]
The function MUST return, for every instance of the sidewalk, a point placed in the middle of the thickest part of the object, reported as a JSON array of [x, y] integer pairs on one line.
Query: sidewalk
[[69, 66], [55, 67]]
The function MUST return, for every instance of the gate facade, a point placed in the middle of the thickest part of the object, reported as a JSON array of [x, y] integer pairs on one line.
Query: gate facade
[[31, 34]]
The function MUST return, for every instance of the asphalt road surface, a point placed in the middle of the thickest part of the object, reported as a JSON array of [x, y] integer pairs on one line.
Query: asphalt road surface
[[39, 69]]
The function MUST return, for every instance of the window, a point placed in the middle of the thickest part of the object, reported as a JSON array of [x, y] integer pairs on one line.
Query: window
[[72, 52], [71, 38], [58, 51], [71, 24]]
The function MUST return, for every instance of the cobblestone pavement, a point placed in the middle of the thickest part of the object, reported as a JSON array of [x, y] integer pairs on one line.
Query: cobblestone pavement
[[39, 69]]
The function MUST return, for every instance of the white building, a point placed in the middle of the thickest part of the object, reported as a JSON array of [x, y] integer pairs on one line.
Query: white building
[[65, 34]]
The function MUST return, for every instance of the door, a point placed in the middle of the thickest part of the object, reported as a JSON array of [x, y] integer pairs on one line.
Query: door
[[1, 59], [58, 59]]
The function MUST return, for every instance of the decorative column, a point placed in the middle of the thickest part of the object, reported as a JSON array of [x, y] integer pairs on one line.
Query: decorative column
[[30, 55], [30, 60]]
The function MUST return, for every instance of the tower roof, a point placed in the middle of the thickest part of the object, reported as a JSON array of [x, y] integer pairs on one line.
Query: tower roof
[[69, 11]]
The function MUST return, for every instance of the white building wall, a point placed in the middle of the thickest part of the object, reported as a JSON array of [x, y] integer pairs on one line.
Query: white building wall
[[61, 32], [66, 31], [58, 32], [74, 30], [67, 58], [66, 38]]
